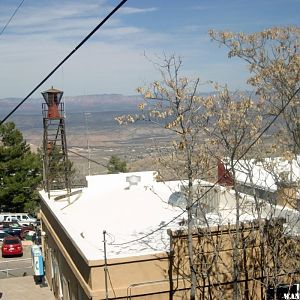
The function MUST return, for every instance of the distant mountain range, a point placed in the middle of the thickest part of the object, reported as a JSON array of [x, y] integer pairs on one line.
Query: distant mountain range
[[86, 103], [77, 104], [103, 109]]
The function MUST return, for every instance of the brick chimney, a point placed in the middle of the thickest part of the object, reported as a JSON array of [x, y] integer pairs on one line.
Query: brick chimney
[[224, 176]]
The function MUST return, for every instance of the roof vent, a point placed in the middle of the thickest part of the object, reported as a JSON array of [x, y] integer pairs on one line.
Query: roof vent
[[133, 180]]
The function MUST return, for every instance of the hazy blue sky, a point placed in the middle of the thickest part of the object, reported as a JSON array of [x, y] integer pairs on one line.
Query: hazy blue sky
[[43, 32]]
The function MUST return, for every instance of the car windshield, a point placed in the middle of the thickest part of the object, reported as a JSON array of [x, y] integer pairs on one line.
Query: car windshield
[[12, 242]]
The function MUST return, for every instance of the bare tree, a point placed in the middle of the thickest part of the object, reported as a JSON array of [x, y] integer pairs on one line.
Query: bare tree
[[175, 104], [236, 124], [204, 129], [229, 126], [273, 56]]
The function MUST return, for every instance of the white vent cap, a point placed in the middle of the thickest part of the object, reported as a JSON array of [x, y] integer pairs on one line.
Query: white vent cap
[[133, 179]]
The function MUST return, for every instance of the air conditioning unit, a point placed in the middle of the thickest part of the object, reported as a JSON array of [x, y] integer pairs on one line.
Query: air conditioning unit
[[206, 199]]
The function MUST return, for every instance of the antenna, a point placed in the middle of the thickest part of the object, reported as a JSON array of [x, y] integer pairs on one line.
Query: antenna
[[63, 85], [86, 114]]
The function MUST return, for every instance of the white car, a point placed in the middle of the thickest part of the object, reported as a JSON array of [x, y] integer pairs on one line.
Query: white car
[[21, 218]]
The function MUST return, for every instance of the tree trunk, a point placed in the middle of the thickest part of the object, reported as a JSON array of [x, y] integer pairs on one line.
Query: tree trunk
[[191, 257], [236, 240]]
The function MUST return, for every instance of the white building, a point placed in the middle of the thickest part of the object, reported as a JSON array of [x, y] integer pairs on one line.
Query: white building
[[135, 211]]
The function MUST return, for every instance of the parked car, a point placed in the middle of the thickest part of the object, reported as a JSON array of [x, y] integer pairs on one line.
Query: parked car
[[22, 218], [3, 234], [25, 230], [14, 224], [12, 228], [11, 246]]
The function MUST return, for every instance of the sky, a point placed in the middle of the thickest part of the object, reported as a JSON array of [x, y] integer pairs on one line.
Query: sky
[[119, 57]]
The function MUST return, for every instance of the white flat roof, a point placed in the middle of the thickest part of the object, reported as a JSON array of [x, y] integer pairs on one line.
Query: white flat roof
[[128, 213], [267, 173], [125, 213]]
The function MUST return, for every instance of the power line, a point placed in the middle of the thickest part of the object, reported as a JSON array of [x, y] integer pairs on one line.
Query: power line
[[91, 160], [7, 23], [211, 187], [67, 57]]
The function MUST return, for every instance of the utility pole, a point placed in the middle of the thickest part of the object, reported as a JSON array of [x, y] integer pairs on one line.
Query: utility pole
[[105, 265], [87, 140]]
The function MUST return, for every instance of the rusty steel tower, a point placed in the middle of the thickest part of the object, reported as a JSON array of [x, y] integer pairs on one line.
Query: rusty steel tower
[[55, 157]]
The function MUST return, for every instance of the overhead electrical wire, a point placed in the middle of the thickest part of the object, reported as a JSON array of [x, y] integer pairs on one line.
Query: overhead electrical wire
[[7, 23], [214, 184], [91, 160], [67, 57]]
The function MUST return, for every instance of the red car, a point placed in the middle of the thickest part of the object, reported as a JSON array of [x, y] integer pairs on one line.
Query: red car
[[11, 246]]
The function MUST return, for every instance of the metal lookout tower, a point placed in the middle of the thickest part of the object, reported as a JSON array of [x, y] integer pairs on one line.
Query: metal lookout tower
[[56, 163]]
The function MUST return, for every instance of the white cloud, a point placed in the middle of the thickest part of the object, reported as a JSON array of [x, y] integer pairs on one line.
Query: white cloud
[[135, 10], [121, 31], [66, 21], [43, 32], [42, 36], [37, 19]]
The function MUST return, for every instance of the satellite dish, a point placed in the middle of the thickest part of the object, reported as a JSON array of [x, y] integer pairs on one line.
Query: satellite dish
[[177, 199]]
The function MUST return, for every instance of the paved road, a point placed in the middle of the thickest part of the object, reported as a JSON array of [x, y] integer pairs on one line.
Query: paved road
[[23, 265], [24, 288], [20, 283]]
